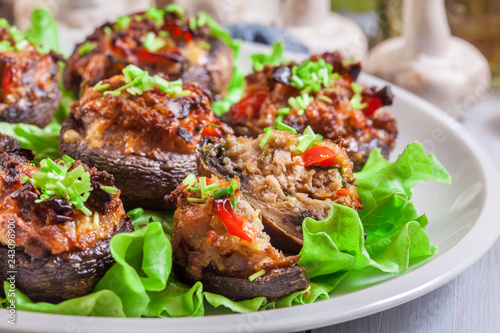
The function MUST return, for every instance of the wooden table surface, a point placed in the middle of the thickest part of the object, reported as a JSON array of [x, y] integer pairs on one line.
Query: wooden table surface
[[470, 302]]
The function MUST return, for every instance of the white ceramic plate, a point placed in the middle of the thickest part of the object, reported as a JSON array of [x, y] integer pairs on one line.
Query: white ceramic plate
[[463, 224]]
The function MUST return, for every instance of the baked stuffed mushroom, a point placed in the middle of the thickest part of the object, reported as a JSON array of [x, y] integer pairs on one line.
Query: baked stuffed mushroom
[[218, 238], [287, 178], [143, 130], [161, 41], [320, 93], [56, 222], [29, 91]]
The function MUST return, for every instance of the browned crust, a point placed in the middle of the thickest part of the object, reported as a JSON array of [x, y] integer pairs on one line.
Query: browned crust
[[33, 95], [61, 276], [112, 55], [143, 182]]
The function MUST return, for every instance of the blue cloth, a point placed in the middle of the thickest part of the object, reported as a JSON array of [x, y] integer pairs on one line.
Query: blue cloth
[[257, 33]]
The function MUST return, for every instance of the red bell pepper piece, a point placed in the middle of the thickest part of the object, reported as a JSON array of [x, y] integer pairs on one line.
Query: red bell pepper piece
[[236, 225], [212, 130], [8, 76], [318, 156], [249, 107]]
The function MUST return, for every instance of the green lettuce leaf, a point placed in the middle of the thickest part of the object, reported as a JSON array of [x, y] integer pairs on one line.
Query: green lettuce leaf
[[142, 217], [236, 86], [274, 58], [334, 244], [385, 190], [104, 303], [177, 300], [44, 142], [44, 31], [143, 263], [245, 306]]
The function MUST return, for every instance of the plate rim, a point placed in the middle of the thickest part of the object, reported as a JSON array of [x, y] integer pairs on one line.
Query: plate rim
[[322, 313]]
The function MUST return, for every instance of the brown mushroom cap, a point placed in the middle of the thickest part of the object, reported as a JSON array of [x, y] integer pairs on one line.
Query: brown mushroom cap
[[29, 92]]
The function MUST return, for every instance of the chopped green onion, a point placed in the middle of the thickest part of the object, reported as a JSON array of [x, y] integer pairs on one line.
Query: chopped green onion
[[109, 189], [96, 218], [298, 82], [210, 189], [153, 43], [203, 185], [275, 58], [108, 32], [256, 275], [86, 47], [156, 15], [21, 44], [137, 81], [326, 99], [85, 210], [68, 159], [123, 22], [192, 23], [266, 137], [196, 200], [235, 203], [5, 46], [195, 189], [223, 191], [307, 139], [348, 61], [54, 179], [356, 100], [293, 103], [284, 127], [356, 88], [202, 19], [284, 110], [205, 45], [101, 86], [189, 180], [174, 8], [234, 184]]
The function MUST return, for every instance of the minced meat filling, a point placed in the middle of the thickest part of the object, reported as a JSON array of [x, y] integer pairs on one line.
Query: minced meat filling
[[52, 226], [201, 241], [275, 176], [150, 125]]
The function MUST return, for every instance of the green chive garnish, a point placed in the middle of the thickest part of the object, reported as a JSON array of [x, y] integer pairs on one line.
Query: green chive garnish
[[326, 99], [307, 139], [109, 189], [256, 275], [86, 48], [123, 22], [223, 191], [284, 127], [55, 179], [198, 200], [96, 218], [266, 137], [189, 180]]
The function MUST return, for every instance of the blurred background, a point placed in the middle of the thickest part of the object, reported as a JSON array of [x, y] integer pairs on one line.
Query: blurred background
[[477, 21], [357, 28]]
